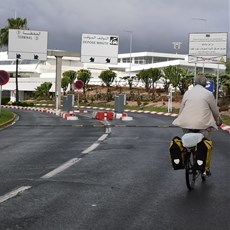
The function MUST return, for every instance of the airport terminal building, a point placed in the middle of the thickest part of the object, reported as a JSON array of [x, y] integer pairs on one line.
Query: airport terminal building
[[32, 73]]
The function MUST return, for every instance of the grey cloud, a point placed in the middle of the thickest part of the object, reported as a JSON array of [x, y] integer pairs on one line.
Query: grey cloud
[[155, 23]]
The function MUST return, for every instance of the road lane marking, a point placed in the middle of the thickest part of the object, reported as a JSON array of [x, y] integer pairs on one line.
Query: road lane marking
[[91, 148], [61, 168], [103, 137], [13, 193]]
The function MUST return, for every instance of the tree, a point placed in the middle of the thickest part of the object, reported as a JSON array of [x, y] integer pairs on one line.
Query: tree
[[225, 79], [12, 23], [71, 75], [149, 78], [227, 66], [108, 76], [65, 84], [186, 79], [84, 75], [173, 73], [179, 78], [43, 90]]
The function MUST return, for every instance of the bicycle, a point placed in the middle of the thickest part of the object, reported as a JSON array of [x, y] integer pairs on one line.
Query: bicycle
[[192, 172]]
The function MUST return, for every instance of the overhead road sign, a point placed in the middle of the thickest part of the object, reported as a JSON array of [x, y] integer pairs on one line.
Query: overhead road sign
[[101, 49], [208, 47], [4, 77], [27, 44]]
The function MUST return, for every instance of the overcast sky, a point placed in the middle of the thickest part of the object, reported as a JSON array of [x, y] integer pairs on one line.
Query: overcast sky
[[155, 24]]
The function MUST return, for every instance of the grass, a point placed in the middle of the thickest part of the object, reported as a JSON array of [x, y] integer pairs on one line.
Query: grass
[[6, 116], [226, 119]]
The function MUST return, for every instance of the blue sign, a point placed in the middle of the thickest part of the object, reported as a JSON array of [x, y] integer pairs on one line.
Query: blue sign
[[210, 85]]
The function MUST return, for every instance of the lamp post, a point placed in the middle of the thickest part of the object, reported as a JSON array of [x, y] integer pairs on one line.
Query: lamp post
[[130, 50], [176, 45]]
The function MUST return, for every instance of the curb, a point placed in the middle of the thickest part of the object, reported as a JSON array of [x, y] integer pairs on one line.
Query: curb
[[65, 115], [223, 126]]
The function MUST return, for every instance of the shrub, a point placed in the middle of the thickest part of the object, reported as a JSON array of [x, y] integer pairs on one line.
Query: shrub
[[5, 100], [25, 104]]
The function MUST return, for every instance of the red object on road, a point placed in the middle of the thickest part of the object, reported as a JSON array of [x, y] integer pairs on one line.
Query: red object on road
[[110, 115], [100, 115]]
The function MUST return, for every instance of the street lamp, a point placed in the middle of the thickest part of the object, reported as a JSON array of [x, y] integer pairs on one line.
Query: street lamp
[[130, 50], [177, 45]]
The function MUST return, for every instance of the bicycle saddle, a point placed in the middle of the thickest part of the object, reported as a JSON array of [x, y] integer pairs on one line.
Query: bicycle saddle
[[191, 139]]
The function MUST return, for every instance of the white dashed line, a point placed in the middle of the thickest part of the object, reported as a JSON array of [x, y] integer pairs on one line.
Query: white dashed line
[[13, 193], [91, 148], [61, 168], [103, 137]]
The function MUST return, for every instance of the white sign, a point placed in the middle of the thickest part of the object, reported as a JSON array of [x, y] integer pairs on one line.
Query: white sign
[[100, 49], [208, 47], [27, 44]]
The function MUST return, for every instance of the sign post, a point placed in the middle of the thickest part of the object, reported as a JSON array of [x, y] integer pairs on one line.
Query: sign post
[[208, 48], [27, 45], [4, 78], [210, 86], [79, 85]]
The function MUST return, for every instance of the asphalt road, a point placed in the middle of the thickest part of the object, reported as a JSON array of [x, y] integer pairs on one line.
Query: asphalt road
[[79, 175]]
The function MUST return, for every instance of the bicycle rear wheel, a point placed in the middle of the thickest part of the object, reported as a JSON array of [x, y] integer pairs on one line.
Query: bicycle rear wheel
[[190, 172]]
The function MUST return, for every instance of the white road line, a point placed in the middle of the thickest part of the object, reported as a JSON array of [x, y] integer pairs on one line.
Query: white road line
[[61, 168], [91, 148], [102, 137], [108, 130], [13, 193]]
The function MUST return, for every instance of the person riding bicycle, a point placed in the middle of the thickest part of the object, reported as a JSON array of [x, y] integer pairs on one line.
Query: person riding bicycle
[[198, 110]]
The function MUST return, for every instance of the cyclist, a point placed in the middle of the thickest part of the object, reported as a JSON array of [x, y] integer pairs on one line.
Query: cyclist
[[198, 111]]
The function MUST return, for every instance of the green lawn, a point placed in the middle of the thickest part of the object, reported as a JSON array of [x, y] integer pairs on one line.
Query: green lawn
[[226, 119], [6, 116]]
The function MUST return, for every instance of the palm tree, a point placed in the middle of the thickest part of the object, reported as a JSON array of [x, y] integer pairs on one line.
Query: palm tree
[[12, 23], [43, 90]]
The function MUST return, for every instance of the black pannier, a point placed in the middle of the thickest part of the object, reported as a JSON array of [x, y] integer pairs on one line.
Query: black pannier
[[203, 154], [177, 153]]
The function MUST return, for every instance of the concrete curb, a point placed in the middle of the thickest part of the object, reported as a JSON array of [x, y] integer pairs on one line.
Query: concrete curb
[[65, 115], [223, 126]]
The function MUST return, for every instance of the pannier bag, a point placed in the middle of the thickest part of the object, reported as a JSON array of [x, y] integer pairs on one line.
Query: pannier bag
[[203, 154], [177, 152]]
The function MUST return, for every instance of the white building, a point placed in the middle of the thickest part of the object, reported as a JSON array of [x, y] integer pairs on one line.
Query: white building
[[32, 73]]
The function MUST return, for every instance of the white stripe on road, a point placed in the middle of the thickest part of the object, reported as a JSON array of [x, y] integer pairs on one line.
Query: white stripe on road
[[54, 172], [13, 193], [102, 138], [61, 168], [91, 148]]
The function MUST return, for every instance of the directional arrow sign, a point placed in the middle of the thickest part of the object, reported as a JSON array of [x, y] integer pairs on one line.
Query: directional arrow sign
[[99, 49], [4, 77]]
